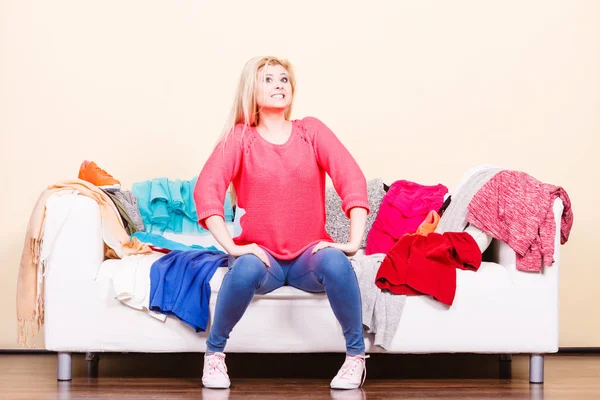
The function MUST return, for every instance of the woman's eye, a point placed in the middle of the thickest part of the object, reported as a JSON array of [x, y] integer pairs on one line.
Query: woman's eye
[[268, 79], [284, 80]]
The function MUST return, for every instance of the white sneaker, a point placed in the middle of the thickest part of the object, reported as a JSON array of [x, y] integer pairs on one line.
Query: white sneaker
[[352, 374], [352, 394], [216, 394], [214, 374]]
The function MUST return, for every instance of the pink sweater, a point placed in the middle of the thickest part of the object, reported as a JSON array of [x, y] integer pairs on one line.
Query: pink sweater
[[281, 187], [517, 209], [404, 207]]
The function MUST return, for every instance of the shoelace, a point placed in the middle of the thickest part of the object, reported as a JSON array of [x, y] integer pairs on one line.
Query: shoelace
[[351, 363], [216, 362]]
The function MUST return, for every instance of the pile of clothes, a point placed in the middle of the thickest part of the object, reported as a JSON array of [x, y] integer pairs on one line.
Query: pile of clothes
[[129, 221], [425, 232], [178, 282], [417, 236]]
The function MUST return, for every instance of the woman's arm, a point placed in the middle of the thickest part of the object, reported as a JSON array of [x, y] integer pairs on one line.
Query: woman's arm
[[348, 179], [218, 229], [216, 175], [216, 226], [209, 194], [358, 220]]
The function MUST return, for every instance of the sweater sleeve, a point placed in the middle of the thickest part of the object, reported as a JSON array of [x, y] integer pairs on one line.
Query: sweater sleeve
[[348, 179], [216, 175]]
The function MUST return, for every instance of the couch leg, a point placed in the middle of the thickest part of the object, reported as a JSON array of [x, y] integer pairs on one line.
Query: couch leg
[[505, 366], [64, 366], [91, 364], [536, 368]]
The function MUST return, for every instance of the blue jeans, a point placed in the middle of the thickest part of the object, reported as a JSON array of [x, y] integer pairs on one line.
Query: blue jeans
[[327, 270]]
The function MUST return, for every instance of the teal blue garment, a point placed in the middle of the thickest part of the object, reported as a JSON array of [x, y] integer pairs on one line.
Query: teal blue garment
[[168, 206], [161, 241]]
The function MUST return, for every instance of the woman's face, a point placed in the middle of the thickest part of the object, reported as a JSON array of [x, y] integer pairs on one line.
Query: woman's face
[[274, 90]]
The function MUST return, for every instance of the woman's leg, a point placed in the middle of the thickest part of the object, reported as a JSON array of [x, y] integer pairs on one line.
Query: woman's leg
[[247, 275], [330, 270]]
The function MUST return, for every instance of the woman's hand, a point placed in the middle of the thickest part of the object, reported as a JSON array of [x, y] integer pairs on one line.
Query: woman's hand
[[237, 251], [348, 248], [358, 220]]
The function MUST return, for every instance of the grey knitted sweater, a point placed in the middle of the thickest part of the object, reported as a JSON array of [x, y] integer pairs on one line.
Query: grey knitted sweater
[[130, 203], [454, 219], [381, 311], [337, 224]]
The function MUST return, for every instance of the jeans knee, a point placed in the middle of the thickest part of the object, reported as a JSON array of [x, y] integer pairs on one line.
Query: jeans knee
[[248, 270], [333, 263]]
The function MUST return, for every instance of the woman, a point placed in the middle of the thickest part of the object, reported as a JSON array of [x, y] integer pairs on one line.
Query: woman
[[277, 167]]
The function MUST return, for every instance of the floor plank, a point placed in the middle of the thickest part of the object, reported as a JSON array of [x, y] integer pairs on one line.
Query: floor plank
[[33, 376]]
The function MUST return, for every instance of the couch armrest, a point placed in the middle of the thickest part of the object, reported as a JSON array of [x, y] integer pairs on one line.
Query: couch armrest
[[75, 256], [499, 252]]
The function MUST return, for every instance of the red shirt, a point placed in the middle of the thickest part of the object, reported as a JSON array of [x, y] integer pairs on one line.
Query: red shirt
[[427, 264], [281, 187]]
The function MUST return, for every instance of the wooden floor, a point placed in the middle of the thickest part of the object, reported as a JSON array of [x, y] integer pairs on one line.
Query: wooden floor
[[33, 376]]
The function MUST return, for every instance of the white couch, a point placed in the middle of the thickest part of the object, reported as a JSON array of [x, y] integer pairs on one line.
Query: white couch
[[496, 310]]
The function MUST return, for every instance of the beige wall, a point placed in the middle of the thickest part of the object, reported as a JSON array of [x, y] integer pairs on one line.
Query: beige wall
[[416, 90]]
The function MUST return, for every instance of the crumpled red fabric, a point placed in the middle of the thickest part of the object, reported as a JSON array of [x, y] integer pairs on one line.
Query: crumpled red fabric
[[426, 265]]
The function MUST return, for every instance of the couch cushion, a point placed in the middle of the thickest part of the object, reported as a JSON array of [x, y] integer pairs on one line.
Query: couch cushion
[[490, 275]]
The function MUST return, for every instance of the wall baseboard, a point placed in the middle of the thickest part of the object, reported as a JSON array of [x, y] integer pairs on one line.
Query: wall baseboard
[[587, 350], [25, 351], [579, 349]]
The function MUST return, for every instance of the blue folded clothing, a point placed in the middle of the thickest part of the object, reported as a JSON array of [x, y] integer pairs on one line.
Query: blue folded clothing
[[168, 205], [161, 241], [180, 284]]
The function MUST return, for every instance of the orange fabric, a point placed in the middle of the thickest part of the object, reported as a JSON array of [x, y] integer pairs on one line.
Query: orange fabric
[[30, 303], [428, 226], [91, 172]]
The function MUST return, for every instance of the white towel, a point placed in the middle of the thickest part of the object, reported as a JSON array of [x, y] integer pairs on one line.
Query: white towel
[[131, 282]]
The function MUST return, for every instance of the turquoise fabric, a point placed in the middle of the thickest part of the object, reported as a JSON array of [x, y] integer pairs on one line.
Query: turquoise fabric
[[168, 206], [161, 241]]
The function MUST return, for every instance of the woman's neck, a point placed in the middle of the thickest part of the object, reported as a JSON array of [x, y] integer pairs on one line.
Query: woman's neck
[[272, 122]]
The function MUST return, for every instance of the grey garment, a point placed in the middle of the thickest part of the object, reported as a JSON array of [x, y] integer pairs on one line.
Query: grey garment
[[337, 224], [130, 203], [454, 219], [381, 311]]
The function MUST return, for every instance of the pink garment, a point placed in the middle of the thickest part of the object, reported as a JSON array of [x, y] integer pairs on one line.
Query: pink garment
[[518, 209], [404, 207], [281, 187]]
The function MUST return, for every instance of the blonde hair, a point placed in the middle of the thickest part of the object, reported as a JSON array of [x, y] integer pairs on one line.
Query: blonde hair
[[245, 107]]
